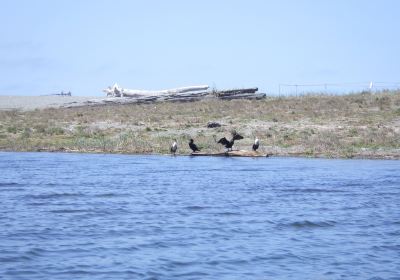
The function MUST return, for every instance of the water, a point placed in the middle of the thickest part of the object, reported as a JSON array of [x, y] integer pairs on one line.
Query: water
[[75, 216]]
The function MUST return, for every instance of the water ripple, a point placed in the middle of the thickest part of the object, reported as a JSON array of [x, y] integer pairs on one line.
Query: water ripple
[[307, 224], [71, 216], [53, 195]]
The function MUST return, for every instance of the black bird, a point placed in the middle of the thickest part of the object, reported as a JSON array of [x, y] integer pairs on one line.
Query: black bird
[[229, 144], [256, 144], [193, 146], [174, 147]]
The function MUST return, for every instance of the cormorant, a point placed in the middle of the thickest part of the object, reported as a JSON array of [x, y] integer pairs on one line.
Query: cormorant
[[174, 147], [193, 146], [228, 144], [256, 144]]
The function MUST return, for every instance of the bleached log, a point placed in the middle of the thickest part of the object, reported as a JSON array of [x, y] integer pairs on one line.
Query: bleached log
[[186, 95], [117, 91]]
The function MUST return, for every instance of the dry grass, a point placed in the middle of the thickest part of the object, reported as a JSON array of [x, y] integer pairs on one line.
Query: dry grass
[[363, 125]]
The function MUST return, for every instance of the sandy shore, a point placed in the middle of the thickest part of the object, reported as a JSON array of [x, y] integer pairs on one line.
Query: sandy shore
[[27, 103]]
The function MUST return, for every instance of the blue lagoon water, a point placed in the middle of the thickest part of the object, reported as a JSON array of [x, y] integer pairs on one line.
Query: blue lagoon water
[[79, 216]]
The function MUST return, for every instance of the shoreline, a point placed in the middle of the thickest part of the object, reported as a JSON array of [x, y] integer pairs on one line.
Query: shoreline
[[362, 126], [394, 157]]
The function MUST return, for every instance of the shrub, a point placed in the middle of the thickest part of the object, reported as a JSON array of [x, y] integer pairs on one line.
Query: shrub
[[12, 129], [55, 131]]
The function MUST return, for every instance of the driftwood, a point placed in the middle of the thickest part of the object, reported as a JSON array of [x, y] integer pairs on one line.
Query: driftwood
[[185, 95], [249, 93], [117, 91], [241, 153], [244, 96], [231, 92]]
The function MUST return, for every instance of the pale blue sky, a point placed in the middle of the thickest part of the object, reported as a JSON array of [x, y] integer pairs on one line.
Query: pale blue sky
[[84, 46]]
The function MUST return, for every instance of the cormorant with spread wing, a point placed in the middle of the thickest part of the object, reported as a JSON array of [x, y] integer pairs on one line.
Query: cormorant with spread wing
[[193, 146], [229, 144]]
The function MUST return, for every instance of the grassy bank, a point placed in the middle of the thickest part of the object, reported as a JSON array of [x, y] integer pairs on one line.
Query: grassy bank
[[358, 125]]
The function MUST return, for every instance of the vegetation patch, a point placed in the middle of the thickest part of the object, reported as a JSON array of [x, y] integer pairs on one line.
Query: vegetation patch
[[356, 125]]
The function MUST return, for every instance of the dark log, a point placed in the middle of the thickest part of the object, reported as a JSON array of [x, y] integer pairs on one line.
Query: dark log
[[235, 91], [213, 124], [244, 96]]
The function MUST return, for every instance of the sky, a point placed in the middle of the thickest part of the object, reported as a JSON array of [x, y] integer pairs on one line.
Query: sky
[[83, 46]]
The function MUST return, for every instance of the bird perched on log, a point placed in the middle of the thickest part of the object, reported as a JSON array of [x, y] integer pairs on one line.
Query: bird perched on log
[[174, 147], [256, 144], [193, 146], [229, 144]]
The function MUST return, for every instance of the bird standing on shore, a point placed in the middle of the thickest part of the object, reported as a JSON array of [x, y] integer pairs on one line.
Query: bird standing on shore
[[256, 144], [174, 147], [193, 146], [229, 144]]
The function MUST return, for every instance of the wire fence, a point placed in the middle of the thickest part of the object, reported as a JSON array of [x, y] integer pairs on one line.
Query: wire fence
[[336, 88]]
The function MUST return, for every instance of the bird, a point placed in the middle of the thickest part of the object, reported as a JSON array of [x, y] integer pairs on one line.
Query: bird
[[229, 144], [256, 144], [193, 146], [174, 147]]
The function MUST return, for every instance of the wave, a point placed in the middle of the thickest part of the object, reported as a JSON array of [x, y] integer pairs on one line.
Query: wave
[[107, 195], [53, 195], [36, 252], [281, 256], [12, 189], [14, 259], [228, 214], [192, 274], [395, 247], [182, 263], [308, 224], [24, 256], [8, 184], [11, 184], [66, 211], [314, 190], [196, 208]]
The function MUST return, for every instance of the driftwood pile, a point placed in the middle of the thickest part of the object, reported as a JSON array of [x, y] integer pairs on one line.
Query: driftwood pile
[[178, 95]]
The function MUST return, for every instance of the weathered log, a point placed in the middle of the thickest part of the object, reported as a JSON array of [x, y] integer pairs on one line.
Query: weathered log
[[166, 91], [230, 92], [241, 153], [186, 95], [182, 100], [117, 91], [244, 96]]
